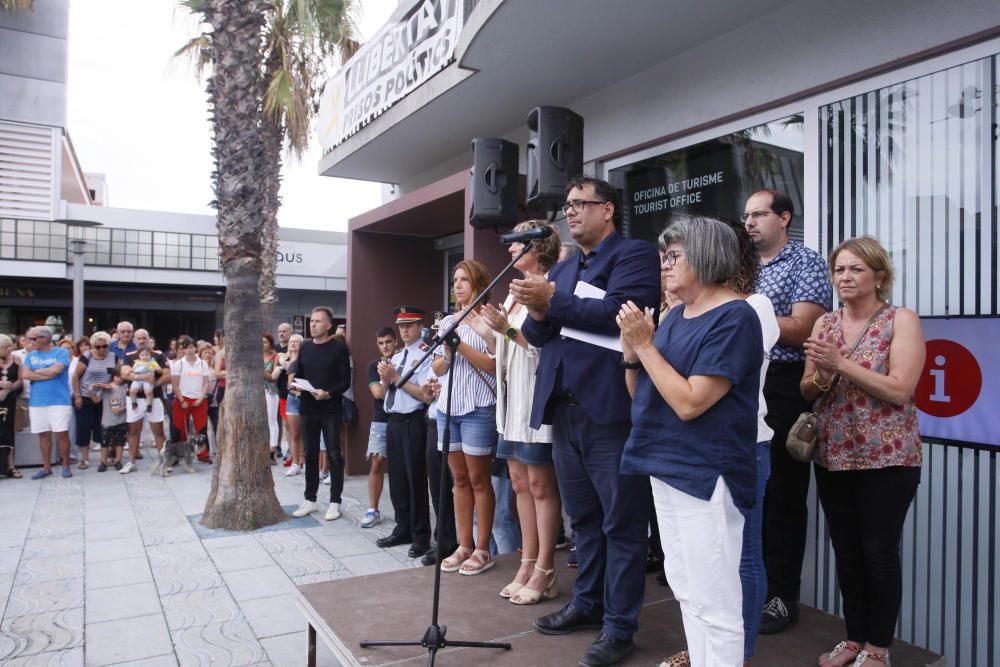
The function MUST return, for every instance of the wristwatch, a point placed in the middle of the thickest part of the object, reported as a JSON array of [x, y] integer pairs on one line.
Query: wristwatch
[[511, 333]]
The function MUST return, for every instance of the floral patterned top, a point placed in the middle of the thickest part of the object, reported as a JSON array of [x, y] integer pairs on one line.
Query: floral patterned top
[[856, 430]]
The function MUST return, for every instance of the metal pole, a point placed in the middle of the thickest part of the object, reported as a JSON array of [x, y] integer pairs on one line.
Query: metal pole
[[78, 248]]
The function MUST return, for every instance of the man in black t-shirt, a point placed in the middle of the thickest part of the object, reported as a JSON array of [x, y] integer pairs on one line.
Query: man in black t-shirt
[[135, 417], [325, 363], [378, 447]]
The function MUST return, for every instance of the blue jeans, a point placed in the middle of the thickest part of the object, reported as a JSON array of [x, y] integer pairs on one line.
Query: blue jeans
[[610, 516], [506, 537], [753, 575]]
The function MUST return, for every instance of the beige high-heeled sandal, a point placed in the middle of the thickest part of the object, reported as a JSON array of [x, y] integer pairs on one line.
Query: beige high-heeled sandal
[[531, 596], [507, 592]]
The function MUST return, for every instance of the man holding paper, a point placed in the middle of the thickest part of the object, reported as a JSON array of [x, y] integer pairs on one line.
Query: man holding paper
[[580, 390], [323, 373]]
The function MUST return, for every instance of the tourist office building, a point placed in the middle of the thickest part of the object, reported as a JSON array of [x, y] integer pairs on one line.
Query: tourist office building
[[875, 117]]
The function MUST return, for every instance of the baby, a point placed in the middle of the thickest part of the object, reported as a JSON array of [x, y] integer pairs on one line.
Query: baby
[[143, 366]]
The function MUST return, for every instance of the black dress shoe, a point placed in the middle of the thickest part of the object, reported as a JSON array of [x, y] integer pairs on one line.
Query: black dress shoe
[[392, 540], [566, 620], [431, 557], [418, 550], [607, 652]]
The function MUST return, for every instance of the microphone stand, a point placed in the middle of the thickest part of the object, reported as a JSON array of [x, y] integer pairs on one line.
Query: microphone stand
[[434, 638]]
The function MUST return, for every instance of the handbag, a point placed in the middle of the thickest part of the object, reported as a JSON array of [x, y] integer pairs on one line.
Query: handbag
[[804, 434], [349, 411]]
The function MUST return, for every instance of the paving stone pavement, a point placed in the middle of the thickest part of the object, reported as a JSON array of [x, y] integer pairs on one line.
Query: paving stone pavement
[[106, 569]]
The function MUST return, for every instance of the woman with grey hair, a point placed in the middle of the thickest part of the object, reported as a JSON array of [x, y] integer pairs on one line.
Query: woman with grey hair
[[90, 376], [695, 383]]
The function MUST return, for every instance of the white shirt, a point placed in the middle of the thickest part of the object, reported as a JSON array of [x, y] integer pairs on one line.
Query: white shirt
[[191, 376], [516, 369], [473, 388], [769, 328]]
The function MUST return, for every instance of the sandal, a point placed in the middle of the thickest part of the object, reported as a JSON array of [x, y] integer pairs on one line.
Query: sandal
[[453, 562], [824, 660], [531, 596], [681, 659], [877, 657], [14, 473], [84, 464], [477, 563], [508, 591]]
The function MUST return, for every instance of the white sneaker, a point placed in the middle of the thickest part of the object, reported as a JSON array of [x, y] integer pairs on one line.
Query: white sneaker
[[326, 480], [127, 468], [305, 509], [332, 512], [372, 517], [293, 470]]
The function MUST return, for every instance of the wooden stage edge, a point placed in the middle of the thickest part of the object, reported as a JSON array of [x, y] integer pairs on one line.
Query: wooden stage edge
[[397, 606]]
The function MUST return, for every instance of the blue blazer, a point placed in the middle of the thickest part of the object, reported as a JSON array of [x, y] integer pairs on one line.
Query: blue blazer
[[627, 270]]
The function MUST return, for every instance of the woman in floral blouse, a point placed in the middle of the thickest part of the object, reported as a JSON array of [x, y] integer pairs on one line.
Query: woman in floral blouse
[[863, 362]]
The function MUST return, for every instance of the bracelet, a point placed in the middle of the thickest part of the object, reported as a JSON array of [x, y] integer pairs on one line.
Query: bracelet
[[822, 387], [631, 365]]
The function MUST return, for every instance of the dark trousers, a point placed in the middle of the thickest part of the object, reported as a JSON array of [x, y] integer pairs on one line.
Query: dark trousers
[[440, 495], [609, 514], [865, 510], [786, 512], [88, 422], [329, 426], [406, 436]]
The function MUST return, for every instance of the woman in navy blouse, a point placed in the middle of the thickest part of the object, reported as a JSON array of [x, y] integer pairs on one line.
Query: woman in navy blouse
[[695, 386]]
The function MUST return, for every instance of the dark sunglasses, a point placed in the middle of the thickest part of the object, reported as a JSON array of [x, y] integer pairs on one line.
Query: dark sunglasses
[[100, 347]]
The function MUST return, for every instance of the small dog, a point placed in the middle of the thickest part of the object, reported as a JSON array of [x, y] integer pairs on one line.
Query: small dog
[[171, 455]]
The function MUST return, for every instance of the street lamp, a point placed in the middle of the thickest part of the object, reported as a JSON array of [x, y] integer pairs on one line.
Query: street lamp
[[78, 248]]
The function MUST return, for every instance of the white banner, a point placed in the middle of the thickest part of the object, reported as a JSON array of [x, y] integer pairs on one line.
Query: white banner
[[296, 258], [399, 59], [959, 389]]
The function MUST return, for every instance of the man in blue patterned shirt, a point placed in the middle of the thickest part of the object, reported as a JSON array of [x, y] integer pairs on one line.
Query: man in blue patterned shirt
[[797, 282]]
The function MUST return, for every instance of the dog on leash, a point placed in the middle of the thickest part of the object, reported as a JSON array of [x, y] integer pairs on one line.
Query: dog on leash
[[171, 455]]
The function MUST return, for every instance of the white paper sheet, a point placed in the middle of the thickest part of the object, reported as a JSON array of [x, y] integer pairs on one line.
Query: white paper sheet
[[585, 290], [303, 384]]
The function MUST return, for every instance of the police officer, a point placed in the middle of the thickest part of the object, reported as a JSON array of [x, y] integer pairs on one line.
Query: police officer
[[406, 435]]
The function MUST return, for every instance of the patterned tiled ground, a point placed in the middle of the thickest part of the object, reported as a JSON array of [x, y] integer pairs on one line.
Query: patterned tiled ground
[[107, 569]]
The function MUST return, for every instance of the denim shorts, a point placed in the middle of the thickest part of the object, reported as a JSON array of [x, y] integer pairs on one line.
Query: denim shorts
[[378, 445], [474, 433], [528, 453], [292, 404]]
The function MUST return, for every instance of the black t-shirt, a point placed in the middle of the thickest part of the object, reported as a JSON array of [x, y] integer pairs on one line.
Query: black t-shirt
[[378, 415], [326, 366], [161, 361]]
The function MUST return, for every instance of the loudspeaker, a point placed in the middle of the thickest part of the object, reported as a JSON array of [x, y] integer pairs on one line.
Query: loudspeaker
[[554, 155], [494, 183]]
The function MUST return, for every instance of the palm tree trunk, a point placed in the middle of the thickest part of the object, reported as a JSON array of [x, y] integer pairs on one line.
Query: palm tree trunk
[[271, 138], [242, 495]]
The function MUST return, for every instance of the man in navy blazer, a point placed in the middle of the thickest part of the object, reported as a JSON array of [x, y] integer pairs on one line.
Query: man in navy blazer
[[580, 390]]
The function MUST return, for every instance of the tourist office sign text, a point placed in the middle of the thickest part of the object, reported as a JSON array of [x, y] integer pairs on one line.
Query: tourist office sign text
[[398, 60]]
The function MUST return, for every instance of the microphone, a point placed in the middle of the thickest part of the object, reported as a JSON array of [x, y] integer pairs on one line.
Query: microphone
[[530, 235]]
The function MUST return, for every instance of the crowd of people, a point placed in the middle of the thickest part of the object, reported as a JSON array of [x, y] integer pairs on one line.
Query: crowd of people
[[645, 393]]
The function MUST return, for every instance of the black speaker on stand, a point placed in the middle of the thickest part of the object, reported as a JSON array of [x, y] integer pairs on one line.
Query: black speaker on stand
[[494, 183], [554, 155]]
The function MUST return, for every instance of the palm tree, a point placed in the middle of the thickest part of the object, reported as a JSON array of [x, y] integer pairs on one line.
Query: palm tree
[[242, 495], [304, 41], [284, 48]]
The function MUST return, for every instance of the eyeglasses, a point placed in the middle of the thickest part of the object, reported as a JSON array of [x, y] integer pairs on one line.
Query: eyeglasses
[[100, 347], [579, 204], [38, 337], [756, 215], [670, 258]]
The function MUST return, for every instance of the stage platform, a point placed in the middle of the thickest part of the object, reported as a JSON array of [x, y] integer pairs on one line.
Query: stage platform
[[397, 605]]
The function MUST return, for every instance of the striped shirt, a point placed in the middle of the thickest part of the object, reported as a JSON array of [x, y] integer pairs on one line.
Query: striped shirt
[[95, 371], [473, 388]]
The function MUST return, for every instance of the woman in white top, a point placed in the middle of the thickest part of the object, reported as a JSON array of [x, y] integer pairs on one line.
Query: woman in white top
[[528, 451], [190, 376]]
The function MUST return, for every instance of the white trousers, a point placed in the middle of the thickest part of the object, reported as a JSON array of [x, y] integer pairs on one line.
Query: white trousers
[[272, 418], [702, 542]]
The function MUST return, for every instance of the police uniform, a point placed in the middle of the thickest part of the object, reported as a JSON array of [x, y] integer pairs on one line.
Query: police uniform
[[406, 434]]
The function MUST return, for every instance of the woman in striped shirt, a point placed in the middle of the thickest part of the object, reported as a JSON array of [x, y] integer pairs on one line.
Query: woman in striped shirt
[[473, 435]]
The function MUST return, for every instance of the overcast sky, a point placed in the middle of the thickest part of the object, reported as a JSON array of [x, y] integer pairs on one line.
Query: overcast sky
[[140, 117]]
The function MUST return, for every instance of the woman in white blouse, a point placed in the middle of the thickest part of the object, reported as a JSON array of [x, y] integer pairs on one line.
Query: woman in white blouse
[[528, 451]]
